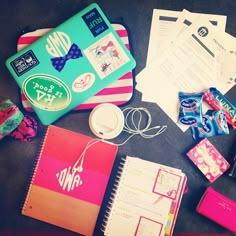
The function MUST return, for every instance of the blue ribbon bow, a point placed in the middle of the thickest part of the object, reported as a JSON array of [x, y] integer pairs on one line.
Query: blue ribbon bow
[[73, 53]]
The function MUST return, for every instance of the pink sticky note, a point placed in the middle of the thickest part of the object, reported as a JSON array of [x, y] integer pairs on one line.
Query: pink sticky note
[[208, 159]]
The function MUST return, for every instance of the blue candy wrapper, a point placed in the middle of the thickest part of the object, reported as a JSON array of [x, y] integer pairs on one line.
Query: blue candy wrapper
[[213, 123], [190, 110]]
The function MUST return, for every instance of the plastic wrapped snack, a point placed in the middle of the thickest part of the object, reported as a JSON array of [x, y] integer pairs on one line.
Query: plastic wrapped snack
[[190, 110]]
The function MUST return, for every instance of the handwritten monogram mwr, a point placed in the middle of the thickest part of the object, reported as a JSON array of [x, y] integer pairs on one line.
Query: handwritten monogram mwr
[[69, 178]]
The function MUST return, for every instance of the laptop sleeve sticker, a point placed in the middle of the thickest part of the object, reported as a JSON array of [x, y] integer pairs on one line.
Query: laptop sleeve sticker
[[118, 92], [70, 64]]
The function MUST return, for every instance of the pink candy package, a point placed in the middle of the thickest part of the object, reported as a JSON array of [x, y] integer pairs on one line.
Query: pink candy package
[[218, 101], [208, 159]]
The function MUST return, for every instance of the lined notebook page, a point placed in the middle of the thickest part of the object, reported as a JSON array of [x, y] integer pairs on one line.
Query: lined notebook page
[[145, 200]]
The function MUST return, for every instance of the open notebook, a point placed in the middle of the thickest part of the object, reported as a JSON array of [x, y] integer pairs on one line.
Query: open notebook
[[146, 199], [70, 64]]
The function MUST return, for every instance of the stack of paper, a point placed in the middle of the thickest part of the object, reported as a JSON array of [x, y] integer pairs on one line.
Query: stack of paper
[[187, 52]]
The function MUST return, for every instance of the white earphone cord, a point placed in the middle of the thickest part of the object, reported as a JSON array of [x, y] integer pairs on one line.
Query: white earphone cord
[[134, 128]]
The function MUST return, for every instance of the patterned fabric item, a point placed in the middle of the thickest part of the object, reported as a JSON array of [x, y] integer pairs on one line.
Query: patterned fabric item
[[10, 117], [26, 130], [14, 124]]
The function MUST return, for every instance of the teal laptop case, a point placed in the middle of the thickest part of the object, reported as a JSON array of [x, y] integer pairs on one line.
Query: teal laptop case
[[70, 64]]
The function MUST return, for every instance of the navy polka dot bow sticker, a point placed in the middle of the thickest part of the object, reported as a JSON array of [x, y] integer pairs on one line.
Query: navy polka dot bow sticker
[[73, 53]]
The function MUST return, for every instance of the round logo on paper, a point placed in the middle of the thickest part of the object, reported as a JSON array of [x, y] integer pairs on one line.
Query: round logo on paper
[[203, 31], [47, 92], [83, 82]]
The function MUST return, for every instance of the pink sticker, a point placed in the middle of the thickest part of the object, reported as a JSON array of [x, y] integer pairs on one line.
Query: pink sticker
[[208, 159], [167, 184], [149, 227]]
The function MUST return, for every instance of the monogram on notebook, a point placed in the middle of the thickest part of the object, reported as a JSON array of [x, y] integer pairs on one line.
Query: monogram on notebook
[[70, 177], [60, 47]]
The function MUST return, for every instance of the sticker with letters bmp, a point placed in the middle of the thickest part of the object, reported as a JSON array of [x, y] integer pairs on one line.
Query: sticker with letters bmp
[[24, 63], [106, 55], [95, 22], [59, 46], [47, 92]]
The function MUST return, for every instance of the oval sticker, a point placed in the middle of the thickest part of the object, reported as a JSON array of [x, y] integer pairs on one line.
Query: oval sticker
[[188, 121], [83, 82], [189, 103], [47, 92]]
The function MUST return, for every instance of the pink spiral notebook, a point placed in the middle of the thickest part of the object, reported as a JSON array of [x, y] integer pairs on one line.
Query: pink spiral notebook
[[68, 183], [118, 93]]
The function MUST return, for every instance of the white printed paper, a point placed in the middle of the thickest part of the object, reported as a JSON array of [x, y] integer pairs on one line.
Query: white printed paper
[[189, 64], [163, 23]]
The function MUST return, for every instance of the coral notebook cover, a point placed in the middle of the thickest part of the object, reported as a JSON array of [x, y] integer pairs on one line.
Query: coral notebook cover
[[69, 181]]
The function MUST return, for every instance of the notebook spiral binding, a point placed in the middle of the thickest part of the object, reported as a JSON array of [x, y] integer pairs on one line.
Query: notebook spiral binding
[[34, 168], [115, 188]]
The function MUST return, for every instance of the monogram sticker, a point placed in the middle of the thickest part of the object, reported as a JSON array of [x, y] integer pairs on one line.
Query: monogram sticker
[[60, 47]]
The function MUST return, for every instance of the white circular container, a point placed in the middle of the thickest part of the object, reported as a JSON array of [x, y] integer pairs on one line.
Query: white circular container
[[106, 121]]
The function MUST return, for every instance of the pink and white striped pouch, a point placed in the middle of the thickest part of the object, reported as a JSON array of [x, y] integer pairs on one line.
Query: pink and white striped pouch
[[118, 93]]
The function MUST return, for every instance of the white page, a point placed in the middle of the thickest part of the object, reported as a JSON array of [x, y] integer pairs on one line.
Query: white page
[[161, 28], [188, 65], [227, 60], [144, 198], [226, 45], [163, 22]]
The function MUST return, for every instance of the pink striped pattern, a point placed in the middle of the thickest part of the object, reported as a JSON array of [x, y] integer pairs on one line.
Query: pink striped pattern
[[118, 93]]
